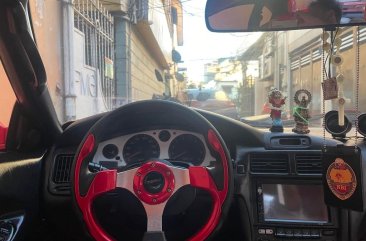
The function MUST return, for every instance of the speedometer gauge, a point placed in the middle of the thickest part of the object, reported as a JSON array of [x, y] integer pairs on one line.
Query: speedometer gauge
[[140, 147], [187, 148]]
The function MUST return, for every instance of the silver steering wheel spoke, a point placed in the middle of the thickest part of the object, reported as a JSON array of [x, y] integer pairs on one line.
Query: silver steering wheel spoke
[[125, 179]]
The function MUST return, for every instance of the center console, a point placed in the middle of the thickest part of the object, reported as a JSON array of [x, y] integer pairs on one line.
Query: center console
[[291, 209]]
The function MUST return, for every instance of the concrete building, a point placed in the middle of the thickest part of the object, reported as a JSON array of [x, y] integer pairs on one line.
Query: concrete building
[[210, 70], [224, 74], [102, 54], [256, 79], [306, 66], [285, 63], [290, 61], [147, 32]]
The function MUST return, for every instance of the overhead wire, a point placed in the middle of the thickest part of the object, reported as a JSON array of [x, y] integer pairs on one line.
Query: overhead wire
[[158, 7], [187, 10]]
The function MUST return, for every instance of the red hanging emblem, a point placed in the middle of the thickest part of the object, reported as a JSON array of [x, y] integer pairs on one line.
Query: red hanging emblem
[[341, 179]]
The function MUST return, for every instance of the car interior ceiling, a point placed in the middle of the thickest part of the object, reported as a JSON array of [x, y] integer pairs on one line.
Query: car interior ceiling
[[39, 207]]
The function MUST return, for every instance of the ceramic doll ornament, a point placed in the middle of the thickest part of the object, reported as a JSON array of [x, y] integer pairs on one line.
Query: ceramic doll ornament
[[277, 102], [301, 113]]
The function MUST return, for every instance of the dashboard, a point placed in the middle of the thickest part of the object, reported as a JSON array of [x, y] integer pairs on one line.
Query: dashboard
[[176, 146], [276, 177]]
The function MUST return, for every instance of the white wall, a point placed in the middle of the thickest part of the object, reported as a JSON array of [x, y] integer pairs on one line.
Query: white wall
[[297, 38], [85, 89]]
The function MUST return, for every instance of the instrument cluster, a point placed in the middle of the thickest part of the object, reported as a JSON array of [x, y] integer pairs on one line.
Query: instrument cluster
[[168, 144]]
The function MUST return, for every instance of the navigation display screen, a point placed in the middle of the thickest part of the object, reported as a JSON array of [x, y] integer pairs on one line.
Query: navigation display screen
[[294, 203]]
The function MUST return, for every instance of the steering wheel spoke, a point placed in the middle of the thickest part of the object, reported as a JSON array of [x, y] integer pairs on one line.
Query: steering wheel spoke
[[104, 181], [181, 177], [124, 179], [154, 215], [201, 178]]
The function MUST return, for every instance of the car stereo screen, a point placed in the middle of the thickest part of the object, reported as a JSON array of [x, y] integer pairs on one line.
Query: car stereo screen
[[294, 203]]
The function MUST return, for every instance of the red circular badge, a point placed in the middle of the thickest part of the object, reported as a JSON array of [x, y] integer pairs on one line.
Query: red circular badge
[[341, 179]]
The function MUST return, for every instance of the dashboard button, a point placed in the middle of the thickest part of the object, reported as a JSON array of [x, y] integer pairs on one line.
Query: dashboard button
[[261, 231], [315, 233], [297, 233], [240, 169], [269, 231], [328, 232], [289, 233], [306, 233], [280, 232]]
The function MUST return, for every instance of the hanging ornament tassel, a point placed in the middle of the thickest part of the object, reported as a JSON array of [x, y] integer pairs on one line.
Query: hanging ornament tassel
[[343, 164]]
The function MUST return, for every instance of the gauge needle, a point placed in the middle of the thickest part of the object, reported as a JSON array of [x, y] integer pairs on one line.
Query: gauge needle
[[134, 154], [181, 154]]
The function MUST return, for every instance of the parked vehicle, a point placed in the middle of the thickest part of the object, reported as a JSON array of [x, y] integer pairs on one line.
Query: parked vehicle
[[212, 100]]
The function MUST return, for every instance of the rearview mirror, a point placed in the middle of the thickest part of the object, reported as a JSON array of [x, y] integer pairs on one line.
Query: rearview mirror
[[276, 15]]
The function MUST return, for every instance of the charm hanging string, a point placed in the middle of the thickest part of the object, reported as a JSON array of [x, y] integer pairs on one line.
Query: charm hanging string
[[324, 77], [357, 85]]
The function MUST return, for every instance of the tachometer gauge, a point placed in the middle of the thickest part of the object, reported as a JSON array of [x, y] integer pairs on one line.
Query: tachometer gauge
[[187, 148], [140, 147]]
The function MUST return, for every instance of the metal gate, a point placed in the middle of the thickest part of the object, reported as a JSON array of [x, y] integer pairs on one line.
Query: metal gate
[[92, 19]]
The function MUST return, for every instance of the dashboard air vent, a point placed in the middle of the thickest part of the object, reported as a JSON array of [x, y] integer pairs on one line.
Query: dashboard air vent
[[269, 163], [309, 164], [62, 168]]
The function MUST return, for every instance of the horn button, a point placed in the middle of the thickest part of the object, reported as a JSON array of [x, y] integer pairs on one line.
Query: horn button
[[154, 182]]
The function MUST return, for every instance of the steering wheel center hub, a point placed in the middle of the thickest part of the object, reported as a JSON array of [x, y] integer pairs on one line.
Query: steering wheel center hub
[[154, 182]]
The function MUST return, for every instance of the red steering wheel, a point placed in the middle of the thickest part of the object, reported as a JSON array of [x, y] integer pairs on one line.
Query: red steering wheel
[[155, 181]]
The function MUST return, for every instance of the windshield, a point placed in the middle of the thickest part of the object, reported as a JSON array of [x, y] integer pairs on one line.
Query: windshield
[[100, 55]]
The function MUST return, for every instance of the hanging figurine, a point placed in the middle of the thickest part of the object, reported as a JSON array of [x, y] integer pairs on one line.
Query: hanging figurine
[[301, 111], [276, 101]]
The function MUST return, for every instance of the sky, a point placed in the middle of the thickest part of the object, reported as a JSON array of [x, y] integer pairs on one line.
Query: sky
[[202, 46]]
